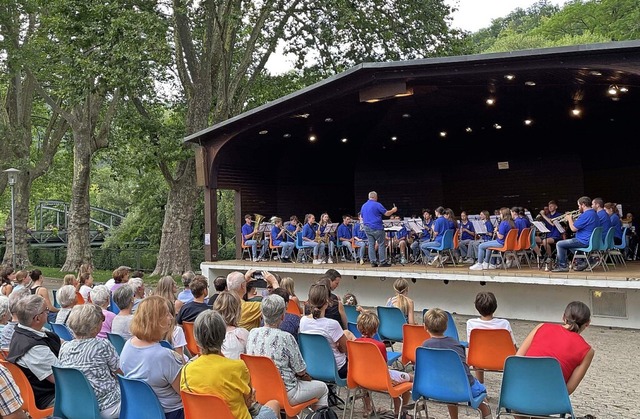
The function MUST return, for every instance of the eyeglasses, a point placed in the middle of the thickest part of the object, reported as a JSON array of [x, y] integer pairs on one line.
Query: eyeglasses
[[46, 310]]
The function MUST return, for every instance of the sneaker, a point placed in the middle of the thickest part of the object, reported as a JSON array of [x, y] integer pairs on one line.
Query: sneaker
[[509, 263], [469, 261], [485, 265], [403, 261], [445, 259], [492, 266], [476, 267], [361, 261], [323, 261], [316, 262], [330, 260], [374, 264], [560, 269], [385, 265], [581, 267], [434, 260]]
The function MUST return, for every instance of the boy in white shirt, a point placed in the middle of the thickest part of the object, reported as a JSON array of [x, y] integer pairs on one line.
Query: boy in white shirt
[[486, 304]]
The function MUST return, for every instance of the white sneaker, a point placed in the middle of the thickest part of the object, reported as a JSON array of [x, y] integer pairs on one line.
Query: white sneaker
[[323, 261], [476, 267], [491, 266], [361, 261], [316, 262], [485, 266], [469, 261], [509, 263], [330, 260]]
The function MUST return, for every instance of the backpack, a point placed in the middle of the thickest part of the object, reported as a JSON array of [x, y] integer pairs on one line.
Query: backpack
[[322, 413]]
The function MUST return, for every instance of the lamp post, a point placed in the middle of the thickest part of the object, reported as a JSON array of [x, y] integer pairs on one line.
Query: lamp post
[[12, 176]]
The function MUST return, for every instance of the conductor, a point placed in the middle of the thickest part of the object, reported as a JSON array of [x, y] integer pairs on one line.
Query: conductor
[[372, 212]]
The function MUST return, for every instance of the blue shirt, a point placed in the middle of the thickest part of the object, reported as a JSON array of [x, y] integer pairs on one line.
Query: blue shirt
[[440, 226], [402, 233], [553, 233], [247, 229], [585, 224], [309, 231], [503, 229], [344, 232], [521, 224], [487, 236], [469, 226], [372, 212], [617, 225], [274, 236], [605, 222], [359, 232], [291, 228]]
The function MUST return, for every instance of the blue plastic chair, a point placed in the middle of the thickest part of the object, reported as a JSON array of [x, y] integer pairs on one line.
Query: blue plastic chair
[[391, 321], [617, 253], [138, 400], [166, 344], [440, 377], [317, 354], [593, 249], [608, 246], [533, 386], [304, 252], [352, 313], [56, 304], [445, 248], [452, 329], [113, 307], [117, 341], [392, 356], [62, 331], [75, 398]]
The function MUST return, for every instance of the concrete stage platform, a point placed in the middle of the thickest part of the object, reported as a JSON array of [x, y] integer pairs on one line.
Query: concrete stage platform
[[525, 294]]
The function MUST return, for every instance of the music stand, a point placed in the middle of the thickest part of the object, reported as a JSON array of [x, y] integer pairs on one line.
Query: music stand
[[479, 227]]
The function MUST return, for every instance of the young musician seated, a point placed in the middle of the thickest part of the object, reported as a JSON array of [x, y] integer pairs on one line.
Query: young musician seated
[[309, 239], [248, 235], [278, 238], [345, 235], [360, 239]]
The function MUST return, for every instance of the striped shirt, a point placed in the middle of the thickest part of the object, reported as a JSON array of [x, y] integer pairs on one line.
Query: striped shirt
[[10, 400]]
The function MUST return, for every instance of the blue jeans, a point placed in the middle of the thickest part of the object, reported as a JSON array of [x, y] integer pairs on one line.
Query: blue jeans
[[483, 254], [563, 246], [429, 245], [318, 248], [254, 248], [361, 246], [287, 249], [376, 236]]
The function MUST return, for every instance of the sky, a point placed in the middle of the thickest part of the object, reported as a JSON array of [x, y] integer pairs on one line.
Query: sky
[[471, 16]]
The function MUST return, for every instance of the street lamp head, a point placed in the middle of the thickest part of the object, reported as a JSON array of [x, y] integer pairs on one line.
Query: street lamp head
[[12, 175]]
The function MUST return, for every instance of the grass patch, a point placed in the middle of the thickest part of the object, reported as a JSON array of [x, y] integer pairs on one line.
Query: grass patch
[[99, 276]]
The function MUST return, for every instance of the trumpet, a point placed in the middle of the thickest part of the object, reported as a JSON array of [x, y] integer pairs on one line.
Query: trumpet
[[574, 214]]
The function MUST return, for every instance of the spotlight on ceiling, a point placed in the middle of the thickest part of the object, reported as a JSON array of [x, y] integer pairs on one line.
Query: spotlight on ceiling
[[497, 126], [468, 129], [344, 140], [263, 132], [394, 138], [576, 112], [287, 135], [312, 138], [443, 134], [529, 83], [509, 77], [528, 121], [328, 120], [490, 101]]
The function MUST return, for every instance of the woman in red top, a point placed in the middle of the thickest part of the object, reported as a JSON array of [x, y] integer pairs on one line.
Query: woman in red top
[[564, 343]]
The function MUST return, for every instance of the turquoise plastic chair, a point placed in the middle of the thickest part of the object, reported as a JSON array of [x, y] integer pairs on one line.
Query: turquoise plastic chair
[[321, 364], [138, 400], [352, 313], [445, 248], [117, 341], [617, 253], [113, 307], [62, 331], [440, 377], [304, 252], [452, 329], [533, 386], [593, 249], [56, 304], [607, 247], [75, 398], [391, 321], [166, 344], [392, 356]]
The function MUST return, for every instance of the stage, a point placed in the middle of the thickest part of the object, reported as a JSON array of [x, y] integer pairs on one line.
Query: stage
[[526, 294]]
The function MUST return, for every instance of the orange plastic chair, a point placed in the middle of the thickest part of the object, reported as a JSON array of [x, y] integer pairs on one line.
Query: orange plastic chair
[[522, 244], [245, 249], [192, 346], [413, 336], [367, 370], [29, 400], [509, 247], [293, 308], [198, 406], [489, 348], [79, 298], [266, 379], [273, 248]]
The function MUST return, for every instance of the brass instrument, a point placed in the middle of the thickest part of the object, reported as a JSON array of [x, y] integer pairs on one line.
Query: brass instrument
[[291, 234], [574, 214], [258, 220], [321, 238]]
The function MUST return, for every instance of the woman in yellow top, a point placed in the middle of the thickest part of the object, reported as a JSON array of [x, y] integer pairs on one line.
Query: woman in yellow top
[[212, 373]]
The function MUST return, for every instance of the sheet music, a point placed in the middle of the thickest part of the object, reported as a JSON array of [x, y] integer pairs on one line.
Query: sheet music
[[331, 228], [540, 226], [558, 225], [264, 227], [415, 225], [391, 223], [495, 220], [479, 227], [474, 217], [528, 214]]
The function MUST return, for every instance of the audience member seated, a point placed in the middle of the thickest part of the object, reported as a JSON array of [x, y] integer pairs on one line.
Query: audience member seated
[[368, 323], [67, 298], [101, 296], [235, 340], [123, 298], [400, 300], [282, 348], [22, 280], [168, 289], [35, 350], [37, 279], [5, 314], [219, 284], [9, 328], [186, 295], [96, 358], [85, 282], [349, 299], [137, 285], [563, 342], [249, 310], [145, 359], [213, 373], [120, 277], [435, 322], [10, 400], [291, 322], [252, 292], [199, 288], [175, 335], [288, 285], [486, 304], [336, 309], [317, 323]]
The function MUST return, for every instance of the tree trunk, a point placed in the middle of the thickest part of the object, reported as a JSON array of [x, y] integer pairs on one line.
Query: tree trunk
[[78, 242], [174, 257], [21, 192]]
